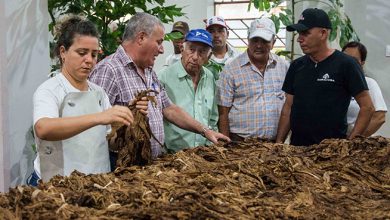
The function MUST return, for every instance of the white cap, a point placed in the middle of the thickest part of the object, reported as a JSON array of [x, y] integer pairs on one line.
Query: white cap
[[215, 20], [262, 27]]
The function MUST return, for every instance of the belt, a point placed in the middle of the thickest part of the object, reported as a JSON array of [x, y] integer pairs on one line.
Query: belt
[[236, 137]]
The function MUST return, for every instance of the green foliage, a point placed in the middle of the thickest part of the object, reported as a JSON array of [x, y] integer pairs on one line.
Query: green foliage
[[173, 36], [341, 24], [214, 67], [105, 13], [283, 53]]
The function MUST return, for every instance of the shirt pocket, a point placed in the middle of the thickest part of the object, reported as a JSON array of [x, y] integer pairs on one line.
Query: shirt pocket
[[250, 88], [207, 103]]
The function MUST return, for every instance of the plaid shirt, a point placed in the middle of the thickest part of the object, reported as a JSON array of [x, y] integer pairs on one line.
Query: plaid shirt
[[255, 99], [118, 75]]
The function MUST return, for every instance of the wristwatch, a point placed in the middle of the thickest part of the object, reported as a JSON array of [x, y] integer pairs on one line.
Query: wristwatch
[[204, 129]]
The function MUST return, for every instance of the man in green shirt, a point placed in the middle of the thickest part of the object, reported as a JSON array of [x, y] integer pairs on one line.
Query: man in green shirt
[[192, 87]]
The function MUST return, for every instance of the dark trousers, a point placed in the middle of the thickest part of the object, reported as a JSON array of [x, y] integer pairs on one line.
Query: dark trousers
[[236, 137], [33, 180], [113, 159]]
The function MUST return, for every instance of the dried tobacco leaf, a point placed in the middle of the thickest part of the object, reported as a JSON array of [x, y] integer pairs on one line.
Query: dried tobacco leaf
[[133, 142], [254, 179]]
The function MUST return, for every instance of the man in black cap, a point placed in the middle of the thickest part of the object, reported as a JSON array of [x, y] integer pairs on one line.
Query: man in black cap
[[319, 87], [182, 27]]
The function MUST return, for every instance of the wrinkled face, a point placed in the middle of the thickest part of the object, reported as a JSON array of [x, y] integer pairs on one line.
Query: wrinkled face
[[151, 46], [310, 40], [259, 49], [220, 34], [194, 55], [80, 58], [354, 52]]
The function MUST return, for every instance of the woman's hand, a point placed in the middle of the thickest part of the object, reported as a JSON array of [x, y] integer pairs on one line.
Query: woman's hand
[[121, 114]]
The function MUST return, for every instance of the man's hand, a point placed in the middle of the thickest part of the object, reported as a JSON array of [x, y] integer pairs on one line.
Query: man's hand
[[214, 136], [121, 114], [141, 105]]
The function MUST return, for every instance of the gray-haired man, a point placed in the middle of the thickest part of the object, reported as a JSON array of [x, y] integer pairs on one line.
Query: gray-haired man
[[129, 70]]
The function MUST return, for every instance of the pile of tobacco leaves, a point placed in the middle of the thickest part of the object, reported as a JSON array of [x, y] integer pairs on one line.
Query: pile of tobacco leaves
[[337, 179]]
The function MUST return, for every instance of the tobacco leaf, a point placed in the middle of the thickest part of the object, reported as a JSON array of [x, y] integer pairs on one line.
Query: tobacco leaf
[[253, 179], [133, 142]]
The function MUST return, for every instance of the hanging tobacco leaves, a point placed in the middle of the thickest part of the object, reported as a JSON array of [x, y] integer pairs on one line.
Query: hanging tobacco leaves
[[133, 142]]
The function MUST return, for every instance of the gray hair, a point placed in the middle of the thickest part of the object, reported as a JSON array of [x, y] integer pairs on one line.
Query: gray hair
[[140, 22]]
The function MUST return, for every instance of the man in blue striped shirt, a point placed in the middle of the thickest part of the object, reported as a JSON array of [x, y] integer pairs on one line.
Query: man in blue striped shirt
[[249, 94]]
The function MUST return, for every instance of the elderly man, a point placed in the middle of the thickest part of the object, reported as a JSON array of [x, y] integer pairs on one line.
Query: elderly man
[[192, 87], [181, 27], [129, 71], [319, 87], [249, 89], [222, 53]]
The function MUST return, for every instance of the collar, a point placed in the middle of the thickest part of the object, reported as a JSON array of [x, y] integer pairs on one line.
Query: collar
[[229, 53], [230, 50], [123, 57], [126, 60]]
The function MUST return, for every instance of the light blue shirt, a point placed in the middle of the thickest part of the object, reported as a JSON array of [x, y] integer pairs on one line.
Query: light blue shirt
[[200, 104]]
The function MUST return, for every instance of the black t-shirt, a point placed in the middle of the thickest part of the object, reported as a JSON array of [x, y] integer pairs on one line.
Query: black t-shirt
[[322, 93]]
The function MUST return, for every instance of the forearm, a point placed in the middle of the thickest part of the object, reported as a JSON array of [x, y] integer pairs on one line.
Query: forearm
[[377, 120], [223, 124], [54, 129], [362, 121], [283, 129], [284, 124]]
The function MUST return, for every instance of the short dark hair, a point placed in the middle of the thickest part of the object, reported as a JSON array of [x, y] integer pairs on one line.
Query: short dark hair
[[67, 29], [361, 48]]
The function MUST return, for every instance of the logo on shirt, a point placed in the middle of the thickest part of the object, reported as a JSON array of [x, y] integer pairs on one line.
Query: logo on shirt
[[325, 78]]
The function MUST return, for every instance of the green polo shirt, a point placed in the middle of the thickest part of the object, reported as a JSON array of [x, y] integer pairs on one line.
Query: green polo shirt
[[200, 104]]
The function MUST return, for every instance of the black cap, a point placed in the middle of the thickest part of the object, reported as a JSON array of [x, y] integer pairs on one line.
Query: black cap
[[311, 17]]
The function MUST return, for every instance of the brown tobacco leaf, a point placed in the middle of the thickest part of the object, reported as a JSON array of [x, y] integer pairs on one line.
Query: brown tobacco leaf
[[133, 142], [254, 179]]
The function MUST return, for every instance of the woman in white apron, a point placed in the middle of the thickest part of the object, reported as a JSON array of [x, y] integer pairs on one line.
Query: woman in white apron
[[71, 114]]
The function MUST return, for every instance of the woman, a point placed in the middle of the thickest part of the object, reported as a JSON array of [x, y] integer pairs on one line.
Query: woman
[[71, 114], [359, 52]]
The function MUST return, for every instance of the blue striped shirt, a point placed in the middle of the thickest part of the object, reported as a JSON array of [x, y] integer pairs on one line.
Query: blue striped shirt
[[255, 99]]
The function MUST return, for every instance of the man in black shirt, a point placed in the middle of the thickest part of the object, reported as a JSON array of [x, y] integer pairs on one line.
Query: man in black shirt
[[319, 87]]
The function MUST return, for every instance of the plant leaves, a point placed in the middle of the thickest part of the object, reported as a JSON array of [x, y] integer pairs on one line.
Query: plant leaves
[[276, 21], [102, 13], [286, 20], [173, 36], [285, 53]]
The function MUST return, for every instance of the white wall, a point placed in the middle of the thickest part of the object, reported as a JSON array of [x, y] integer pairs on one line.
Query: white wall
[[24, 64], [195, 12], [371, 21]]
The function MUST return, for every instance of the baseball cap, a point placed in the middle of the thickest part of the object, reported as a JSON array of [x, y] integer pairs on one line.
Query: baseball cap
[[215, 20], [181, 27], [311, 17], [262, 27], [199, 35]]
